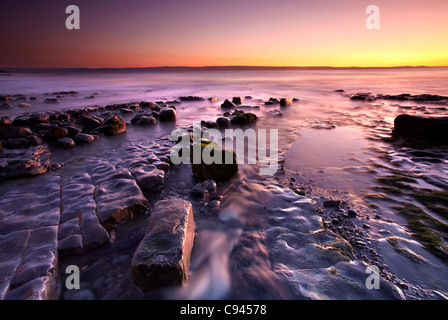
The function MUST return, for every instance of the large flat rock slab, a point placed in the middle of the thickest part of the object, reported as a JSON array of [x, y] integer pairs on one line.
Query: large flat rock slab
[[29, 241], [163, 256]]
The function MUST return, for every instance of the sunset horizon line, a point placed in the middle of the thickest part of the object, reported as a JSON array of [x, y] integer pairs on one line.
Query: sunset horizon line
[[226, 67]]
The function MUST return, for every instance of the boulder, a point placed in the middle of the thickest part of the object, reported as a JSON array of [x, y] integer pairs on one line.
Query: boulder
[[88, 121], [223, 122], [14, 132], [239, 120], [167, 114], [433, 127], [220, 171], [114, 126], [144, 119], [250, 117], [83, 138], [284, 102], [236, 100], [228, 104], [66, 142], [55, 133], [163, 256]]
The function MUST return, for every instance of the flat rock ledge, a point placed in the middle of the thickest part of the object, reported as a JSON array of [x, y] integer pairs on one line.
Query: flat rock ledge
[[163, 256]]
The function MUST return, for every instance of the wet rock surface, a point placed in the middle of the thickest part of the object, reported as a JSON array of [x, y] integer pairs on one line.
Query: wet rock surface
[[163, 256]]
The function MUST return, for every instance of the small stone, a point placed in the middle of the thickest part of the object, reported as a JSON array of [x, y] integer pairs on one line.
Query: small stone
[[351, 213]]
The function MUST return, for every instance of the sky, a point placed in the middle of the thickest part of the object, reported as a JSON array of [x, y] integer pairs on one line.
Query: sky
[[149, 33]]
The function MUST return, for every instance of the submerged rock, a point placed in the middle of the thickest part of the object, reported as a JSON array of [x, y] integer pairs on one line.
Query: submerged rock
[[435, 127], [163, 256]]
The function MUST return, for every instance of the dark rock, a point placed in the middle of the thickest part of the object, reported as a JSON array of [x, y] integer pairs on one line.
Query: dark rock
[[223, 122], [213, 99], [66, 142], [228, 105], [114, 126], [73, 131], [10, 132], [239, 120], [83, 138], [126, 111], [284, 102], [199, 192], [5, 98], [210, 124], [51, 100], [56, 133], [248, 97], [33, 140], [144, 119], [163, 256], [16, 143], [89, 122], [351, 213], [220, 171], [236, 100], [5, 106], [435, 127], [36, 118], [24, 105], [6, 121], [250, 117], [363, 96], [167, 115], [191, 98], [332, 203], [145, 104], [210, 185]]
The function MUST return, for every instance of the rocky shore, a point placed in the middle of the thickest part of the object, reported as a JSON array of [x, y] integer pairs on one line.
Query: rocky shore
[[132, 229]]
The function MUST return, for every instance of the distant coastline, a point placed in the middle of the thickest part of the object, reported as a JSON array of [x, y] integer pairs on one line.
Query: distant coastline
[[205, 68]]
